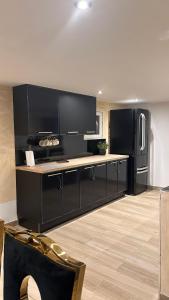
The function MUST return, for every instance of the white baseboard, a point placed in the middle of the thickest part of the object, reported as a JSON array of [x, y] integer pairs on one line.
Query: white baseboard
[[8, 211]]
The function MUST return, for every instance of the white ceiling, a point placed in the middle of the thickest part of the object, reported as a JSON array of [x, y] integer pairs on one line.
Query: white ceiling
[[118, 46]]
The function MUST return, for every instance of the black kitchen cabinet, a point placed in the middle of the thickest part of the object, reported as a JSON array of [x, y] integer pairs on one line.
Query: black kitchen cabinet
[[47, 200], [77, 113], [92, 185], [122, 176], [86, 186], [112, 179], [70, 191], [52, 204], [39, 109], [60, 195], [43, 110], [35, 110]]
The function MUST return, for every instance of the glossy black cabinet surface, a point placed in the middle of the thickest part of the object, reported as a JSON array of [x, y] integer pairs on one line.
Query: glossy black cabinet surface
[[52, 206], [86, 187], [60, 196], [39, 109], [122, 176], [112, 178], [93, 184], [43, 110], [77, 113], [70, 191], [35, 110]]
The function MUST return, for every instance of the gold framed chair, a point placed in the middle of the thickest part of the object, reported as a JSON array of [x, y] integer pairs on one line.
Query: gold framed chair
[[58, 276]]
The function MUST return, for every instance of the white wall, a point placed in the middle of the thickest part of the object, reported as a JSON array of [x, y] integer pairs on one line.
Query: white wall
[[159, 144]]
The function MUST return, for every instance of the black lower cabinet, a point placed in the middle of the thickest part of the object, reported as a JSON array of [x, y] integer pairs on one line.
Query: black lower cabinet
[[52, 204], [71, 191], [60, 195], [122, 176], [112, 176], [86, 186], [47, 200], [92, 185]]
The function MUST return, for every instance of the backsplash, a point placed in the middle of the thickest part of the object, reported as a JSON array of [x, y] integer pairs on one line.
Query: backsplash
[[69, 146]]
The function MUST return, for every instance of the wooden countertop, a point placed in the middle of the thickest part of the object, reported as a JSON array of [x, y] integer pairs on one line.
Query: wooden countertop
[[73, 163]]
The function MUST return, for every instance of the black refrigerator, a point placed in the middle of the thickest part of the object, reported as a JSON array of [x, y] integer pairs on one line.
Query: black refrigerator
[[129, 134]]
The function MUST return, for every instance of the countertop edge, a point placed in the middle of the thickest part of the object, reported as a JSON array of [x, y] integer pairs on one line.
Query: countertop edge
[[37, 169]]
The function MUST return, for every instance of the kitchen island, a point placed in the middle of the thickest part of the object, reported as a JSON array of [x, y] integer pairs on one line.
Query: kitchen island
[[52, 193]]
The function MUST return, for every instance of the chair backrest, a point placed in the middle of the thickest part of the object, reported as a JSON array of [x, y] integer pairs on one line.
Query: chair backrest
[[1, 239], [58, 276]]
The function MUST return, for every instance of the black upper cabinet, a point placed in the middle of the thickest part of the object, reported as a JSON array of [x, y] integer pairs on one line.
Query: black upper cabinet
[[38, 109], [77, 113], [43, 110], [35, 110]]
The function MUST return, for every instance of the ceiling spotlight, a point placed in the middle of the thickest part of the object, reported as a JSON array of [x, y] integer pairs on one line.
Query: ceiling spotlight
[[100, 92], [83, 4]]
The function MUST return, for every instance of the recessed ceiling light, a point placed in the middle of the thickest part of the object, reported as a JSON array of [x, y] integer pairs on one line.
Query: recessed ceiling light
[[83, 4], [100, 92]]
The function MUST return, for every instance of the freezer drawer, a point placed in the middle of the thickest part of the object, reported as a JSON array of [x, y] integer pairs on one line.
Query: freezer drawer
[[141, 180]]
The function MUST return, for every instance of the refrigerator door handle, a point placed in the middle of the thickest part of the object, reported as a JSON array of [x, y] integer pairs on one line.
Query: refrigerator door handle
[[142, 169], [143, 131]]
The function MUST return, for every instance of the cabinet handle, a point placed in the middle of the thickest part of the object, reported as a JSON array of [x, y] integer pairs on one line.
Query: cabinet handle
[[71, 171], [45, 132], [121, 161], [52, 175], [100, 165], [90, 131], [89, 168], [113, 163], [73, 132]]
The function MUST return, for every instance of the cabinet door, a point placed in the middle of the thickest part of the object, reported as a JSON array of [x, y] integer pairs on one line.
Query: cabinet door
[[112, 178], [93, 185], [77, 113], [122, 176], [100, 182], [52, 205], [43, 110], [70, 191], [87, 178]]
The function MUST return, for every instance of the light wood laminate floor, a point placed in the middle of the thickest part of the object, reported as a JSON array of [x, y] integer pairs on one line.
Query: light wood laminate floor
[[120, 245]]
